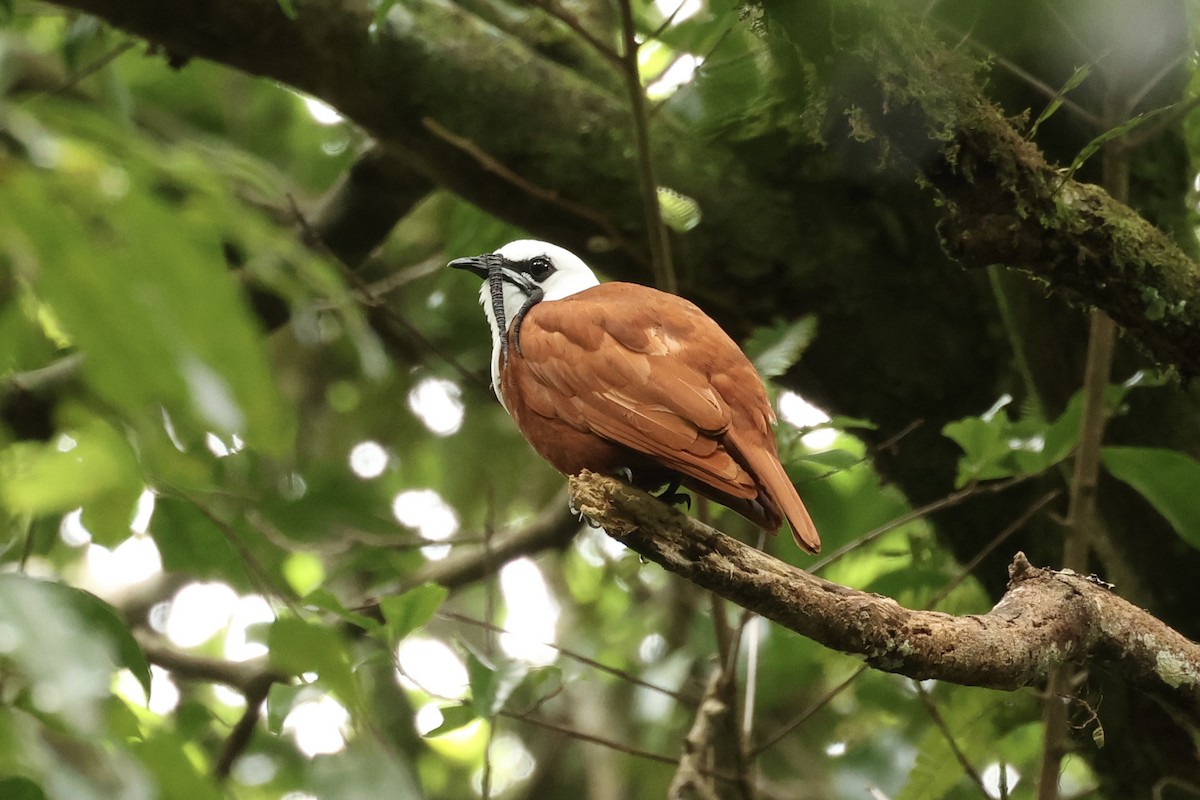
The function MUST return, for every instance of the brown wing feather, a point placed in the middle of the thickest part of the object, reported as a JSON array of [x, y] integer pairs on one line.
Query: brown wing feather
[[648, 398], [658, 376]]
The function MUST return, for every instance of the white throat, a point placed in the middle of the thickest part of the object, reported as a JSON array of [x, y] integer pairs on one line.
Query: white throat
[[569, 277]]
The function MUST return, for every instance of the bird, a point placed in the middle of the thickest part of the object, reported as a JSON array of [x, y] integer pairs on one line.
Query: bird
[[623, 379]]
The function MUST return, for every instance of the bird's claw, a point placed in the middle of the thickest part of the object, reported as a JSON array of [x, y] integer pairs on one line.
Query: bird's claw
[[575, 512], [677, 498], [673, 497]]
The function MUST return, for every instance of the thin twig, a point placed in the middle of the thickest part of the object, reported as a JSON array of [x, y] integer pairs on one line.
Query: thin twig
[[616, 672], [253, 679], [605, 50], [89, 70], [254, 570], [940, 723], [527, 717], [1068, 30], [1170, 781], [611, 744], [1082, 516], [54, 374], [794, 436], [372, 294], [552, 528], [950, 500], [1135, 98], [1140, 137], [704, 67], [1035, 82], [932, 603], [1017, 524], [699, 745], [804, 715], [363, 294], [491, 164], [656, 230], [239, 737], [489, 613], [666, 23]]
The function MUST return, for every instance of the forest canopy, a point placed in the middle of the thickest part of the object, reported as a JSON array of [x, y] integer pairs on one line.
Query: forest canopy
[[266, 533]]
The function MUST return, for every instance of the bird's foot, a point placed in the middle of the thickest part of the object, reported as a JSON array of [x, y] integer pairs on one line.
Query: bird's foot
[[575, 512], [673, 497], [624, 473]]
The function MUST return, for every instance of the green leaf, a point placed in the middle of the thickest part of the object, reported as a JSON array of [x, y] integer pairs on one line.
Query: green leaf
[[89, 462], [364, 770], [776, 349], [453, 718], [1170, 480], [289, 8], [298, 646], [20, 789], [1077, 78], [996, 446], [304, 572], [936, 771], [281, 698], [325, 600], [1093, 147], [108, 517], [409, 611], [985, 446], [679, 212], [100, 616], [381, 12], [850, 423], [492, 684], [141, 287], [44, 621], [190, 543], [166, 756]]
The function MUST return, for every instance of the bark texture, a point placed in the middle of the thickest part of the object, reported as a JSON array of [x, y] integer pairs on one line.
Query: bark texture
[[1045, 618], [397, 85], [792, 226]]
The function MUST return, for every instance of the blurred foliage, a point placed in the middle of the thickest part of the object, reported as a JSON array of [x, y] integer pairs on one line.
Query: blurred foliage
[[310, 470]]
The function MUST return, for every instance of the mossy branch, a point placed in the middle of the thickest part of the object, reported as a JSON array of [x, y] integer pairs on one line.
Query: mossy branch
[[1004, 203]]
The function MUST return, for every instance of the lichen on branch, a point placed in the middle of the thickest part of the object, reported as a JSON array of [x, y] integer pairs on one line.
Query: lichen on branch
[[1045, 619]]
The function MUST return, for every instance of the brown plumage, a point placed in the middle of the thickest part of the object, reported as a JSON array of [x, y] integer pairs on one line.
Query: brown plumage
[[620, 376]]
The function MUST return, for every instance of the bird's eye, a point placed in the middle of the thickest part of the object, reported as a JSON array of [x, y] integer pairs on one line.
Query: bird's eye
[[540, 268]]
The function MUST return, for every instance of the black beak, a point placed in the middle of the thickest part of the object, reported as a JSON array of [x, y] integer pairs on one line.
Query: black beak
[[492, 268], [480, 265], [489, 267]]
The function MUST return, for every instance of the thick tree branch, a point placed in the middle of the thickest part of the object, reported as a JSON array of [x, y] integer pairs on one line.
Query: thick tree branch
[[1004, 203], [437, 62], [244, 676], [361, 208], [253, 679], [1045, 619], [1008, 206]]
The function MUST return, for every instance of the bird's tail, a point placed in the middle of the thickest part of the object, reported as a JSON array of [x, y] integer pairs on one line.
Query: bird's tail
[[778, 488]]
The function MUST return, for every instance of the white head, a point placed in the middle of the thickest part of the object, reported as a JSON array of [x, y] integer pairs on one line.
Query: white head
[[517, 276]]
